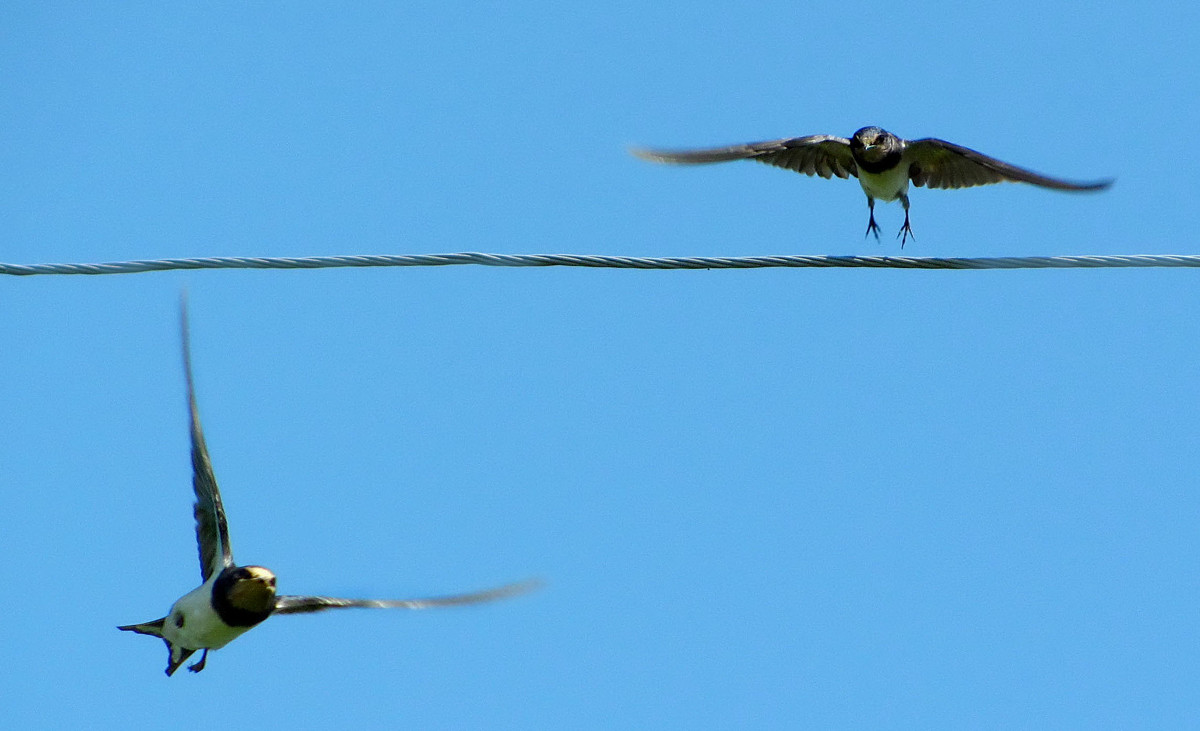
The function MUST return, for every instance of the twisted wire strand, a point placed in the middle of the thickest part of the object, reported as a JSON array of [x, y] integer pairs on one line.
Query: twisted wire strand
[[611, 262]]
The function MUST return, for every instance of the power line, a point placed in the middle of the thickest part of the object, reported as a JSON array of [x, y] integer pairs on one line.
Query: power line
[[612, 262]]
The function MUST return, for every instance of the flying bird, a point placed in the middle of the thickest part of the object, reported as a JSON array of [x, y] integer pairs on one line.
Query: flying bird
[[883, 163], [232, 599]]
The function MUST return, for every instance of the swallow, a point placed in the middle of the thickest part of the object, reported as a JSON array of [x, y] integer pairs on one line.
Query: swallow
[[883, 163], [232, 599]]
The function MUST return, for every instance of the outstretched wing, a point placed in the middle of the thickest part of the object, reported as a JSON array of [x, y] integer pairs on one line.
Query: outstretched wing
[[940, 164], [824, 155], [294, 604], [212, 531]]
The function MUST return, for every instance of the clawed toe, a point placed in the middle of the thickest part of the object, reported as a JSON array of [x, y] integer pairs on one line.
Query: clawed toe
[[872, 228], [905, 232]]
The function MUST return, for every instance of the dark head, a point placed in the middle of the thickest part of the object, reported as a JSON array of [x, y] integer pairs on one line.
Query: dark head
[[876, 150], [243, 596], [872, 144]]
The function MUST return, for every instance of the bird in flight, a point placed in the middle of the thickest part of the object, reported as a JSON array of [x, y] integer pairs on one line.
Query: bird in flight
[[232, 599], [883, 163]]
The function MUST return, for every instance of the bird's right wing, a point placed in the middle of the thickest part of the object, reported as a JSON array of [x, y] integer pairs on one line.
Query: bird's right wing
[[823, 155], [212, 530], [295, 604]]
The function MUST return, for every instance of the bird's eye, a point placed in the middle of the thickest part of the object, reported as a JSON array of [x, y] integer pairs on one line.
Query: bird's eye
[[178, 620]]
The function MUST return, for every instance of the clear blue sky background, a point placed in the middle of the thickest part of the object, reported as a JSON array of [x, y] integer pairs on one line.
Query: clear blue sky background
[[823, 498]]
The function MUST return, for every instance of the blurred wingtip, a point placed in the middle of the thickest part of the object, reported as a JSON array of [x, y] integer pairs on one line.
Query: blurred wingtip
[[643, 153], [518, 588]]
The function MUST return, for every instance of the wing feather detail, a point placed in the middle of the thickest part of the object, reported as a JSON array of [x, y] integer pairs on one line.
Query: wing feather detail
[[212, 530], [822, 155], [937, 163]]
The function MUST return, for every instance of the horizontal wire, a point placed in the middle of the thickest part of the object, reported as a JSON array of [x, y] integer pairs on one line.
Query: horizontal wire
[[612, 262]]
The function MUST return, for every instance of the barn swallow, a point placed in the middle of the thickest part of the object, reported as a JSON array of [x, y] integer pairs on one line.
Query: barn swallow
[[233, 598], [883, 163]]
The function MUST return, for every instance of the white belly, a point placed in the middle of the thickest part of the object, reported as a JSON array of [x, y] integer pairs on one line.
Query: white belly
[[885, 186], [202, 628]]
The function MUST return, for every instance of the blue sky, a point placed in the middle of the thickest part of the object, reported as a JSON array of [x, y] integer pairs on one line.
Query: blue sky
[[829, 498]]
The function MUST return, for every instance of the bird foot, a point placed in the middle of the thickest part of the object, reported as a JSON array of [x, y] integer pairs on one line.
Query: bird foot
[[198, 666], [905, 232], [872, 228]]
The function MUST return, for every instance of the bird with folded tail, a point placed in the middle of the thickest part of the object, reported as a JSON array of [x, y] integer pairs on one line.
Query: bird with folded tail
[[883, 163], [232, 599]]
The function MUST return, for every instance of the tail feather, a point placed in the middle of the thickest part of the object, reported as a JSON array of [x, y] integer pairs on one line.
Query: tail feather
[[154, 629]]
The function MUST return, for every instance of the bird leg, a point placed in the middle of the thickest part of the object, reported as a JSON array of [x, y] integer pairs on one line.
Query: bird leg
[[905, 230], [198, 666], [872, 227]]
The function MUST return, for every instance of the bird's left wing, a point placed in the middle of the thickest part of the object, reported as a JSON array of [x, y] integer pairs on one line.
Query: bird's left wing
[[939, 164], [212, 530], [294, 604], [823, 155]]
